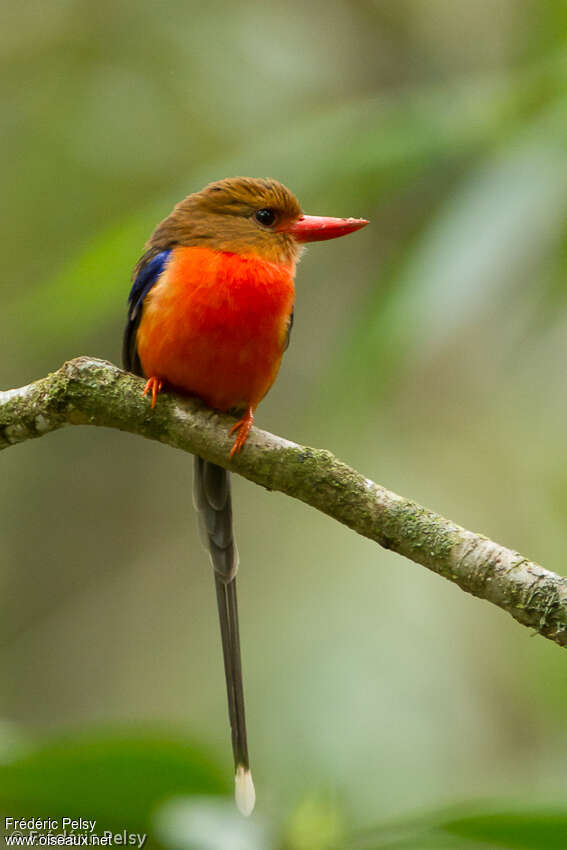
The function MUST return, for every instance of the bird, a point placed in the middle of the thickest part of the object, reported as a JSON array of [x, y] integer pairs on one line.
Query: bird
[[210, 314]]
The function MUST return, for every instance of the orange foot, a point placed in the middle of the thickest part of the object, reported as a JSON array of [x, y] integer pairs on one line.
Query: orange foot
[[243, 427], [155, 385]]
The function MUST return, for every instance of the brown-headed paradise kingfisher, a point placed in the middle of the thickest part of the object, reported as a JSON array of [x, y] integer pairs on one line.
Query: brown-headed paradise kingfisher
[[210, 314]]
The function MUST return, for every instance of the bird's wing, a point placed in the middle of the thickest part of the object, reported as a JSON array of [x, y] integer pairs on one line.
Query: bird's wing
[[147, 274], [288, 332]]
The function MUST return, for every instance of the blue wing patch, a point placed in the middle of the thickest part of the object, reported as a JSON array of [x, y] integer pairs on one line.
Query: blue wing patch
[[147, 275]]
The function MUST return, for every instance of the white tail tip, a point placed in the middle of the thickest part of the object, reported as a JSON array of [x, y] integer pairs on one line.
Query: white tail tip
[[244, 792]]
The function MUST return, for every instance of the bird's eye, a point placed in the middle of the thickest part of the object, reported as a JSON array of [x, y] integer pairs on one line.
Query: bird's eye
[[265, 217]]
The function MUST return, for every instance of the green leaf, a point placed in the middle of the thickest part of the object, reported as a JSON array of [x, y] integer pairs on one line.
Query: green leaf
[[513, 829], [118, 779], [520, 830]]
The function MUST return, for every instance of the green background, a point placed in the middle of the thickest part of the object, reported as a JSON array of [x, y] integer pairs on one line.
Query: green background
[[385, 707]]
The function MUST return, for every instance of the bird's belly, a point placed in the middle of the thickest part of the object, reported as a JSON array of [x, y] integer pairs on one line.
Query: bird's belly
[[215, 326]]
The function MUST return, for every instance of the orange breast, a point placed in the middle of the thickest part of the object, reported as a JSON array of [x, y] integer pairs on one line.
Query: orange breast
[[215, 325]]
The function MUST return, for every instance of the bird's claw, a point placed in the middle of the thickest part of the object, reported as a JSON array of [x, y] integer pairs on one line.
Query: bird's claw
[[243, 427], [156, 386]]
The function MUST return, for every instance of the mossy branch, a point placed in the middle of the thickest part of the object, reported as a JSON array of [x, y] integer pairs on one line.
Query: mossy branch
[[86, 391]]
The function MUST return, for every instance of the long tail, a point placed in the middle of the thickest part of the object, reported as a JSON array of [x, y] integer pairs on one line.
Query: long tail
[[214, 504]]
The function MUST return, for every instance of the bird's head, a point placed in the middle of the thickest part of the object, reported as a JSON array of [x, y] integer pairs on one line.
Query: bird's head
[[248, 216]]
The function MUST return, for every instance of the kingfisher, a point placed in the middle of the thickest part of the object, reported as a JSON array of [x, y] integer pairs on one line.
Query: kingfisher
[[210, 314]]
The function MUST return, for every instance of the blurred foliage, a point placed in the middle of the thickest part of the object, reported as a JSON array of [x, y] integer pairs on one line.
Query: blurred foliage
[[118, 779], [316, 825], [428, 350], [159, 786], [520, 828]]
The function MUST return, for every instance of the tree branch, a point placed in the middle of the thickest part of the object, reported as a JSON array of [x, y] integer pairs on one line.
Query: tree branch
[[86, 391]]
